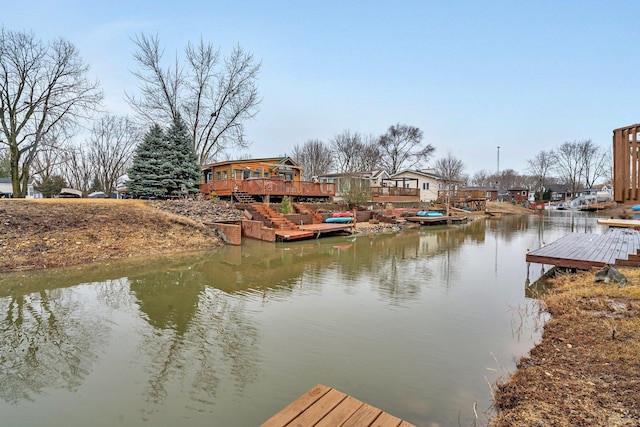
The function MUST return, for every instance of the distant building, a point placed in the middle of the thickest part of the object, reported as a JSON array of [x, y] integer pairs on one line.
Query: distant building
[[6, 189]]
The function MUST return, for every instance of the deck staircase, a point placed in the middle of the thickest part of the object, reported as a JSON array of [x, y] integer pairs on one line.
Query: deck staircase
[[316, 218], [243, 197], [269, 217]]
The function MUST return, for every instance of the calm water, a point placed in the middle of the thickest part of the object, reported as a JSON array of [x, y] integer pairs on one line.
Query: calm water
[[416, 323]]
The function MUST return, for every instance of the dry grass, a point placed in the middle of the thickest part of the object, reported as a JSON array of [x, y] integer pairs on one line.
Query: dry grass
[[45, 233], [586, 369]]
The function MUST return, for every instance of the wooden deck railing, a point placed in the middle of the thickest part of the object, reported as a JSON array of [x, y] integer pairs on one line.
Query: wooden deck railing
[[260, 186]]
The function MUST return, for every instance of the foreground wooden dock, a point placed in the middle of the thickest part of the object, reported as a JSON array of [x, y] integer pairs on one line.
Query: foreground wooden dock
[[618, 246], [325, 406]]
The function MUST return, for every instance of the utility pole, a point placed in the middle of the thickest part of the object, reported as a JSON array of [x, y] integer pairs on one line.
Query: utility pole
[[498, 160]]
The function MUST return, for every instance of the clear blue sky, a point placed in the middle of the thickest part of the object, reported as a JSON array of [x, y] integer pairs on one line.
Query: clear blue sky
[[473, 75]]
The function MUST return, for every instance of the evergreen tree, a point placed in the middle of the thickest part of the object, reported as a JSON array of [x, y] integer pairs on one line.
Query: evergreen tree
[[149, 165], [51, 185], [165, 164], [184, 171]]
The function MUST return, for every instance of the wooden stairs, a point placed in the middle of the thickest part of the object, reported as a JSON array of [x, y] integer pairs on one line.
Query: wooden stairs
[[316, 218], [243, 197], [269, 217]]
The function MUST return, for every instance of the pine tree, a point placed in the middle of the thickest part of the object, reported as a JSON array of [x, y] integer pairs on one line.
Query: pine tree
[[165, 163], [185, 166], [149, 165]]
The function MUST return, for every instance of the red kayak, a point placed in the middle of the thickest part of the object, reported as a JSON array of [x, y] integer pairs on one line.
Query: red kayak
[[342, 214]]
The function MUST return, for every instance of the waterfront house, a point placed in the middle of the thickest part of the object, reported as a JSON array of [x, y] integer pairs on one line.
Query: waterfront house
[[265, 180], [415, 185]]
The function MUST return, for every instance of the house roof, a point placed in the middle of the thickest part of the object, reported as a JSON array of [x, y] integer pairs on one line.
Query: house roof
[[417, 172], [271, 161], [479, 189], [374, 174]]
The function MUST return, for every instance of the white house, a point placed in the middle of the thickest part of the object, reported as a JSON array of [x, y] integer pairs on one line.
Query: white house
[[6, 189], [426, 180]]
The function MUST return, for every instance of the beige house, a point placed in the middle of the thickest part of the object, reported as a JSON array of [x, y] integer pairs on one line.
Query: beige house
[[426, 181]]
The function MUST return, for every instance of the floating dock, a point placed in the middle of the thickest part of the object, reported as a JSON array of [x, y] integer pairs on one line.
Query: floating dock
[[325, 406], [436, 220], [312, 230], [618, 246]]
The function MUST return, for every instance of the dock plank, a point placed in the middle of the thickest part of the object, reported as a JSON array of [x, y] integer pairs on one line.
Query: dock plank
[[294, 409], [364, 416], [320, 409], [584, 251], [324, 406], [343, 411]]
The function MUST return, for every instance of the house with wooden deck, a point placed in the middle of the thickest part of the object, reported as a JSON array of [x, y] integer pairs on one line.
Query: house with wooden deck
[[415, 185], [470, 198], [263, 180], [345, 182]]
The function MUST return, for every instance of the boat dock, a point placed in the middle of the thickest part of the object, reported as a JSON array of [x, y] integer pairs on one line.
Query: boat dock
[[436, 220], [313, 230], [618, 246], [325, 406]]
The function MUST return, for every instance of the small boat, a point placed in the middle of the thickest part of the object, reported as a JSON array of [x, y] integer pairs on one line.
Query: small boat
[[636, 208], [339, 219], [429, 213], [342, 214]]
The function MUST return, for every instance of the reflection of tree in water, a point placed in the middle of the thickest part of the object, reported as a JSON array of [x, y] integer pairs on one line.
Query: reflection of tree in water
[[198, 333], [47, 339], [389, 261]]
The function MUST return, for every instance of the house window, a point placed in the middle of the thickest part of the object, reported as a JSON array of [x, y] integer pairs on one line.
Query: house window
[[488, 194], [524, 193], [224, 174], [425, 185], [218, 176]]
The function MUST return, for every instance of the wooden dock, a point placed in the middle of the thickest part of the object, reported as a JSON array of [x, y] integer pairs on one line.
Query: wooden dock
[[627, 223], [436, 220], [325, 406], [618, 246], [313, 230]]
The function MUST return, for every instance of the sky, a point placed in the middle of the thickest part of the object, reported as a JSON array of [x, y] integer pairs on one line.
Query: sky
[[472, 75]]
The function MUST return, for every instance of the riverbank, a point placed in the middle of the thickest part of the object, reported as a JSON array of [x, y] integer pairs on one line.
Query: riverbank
[[586, 369], [47, 233]]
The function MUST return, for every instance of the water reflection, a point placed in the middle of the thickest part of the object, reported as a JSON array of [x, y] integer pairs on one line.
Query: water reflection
[[47, 339]]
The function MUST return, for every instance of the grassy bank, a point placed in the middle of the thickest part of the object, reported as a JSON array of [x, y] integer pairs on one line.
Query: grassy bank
[[37, 234], [586, 369]]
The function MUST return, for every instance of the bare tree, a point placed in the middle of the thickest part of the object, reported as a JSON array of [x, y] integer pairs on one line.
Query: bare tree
[[111, 146], [570, 163], [595, 163], [347, 148], [401, 147], [540, 166], [213, 97], [50, 158], [42, 87], [450, 169], [5, 169], [314, 156], [78, 170], [482, 178], [370, 155]]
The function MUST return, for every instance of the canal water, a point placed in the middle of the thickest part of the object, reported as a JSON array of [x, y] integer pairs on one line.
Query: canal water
[[420, 324]]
